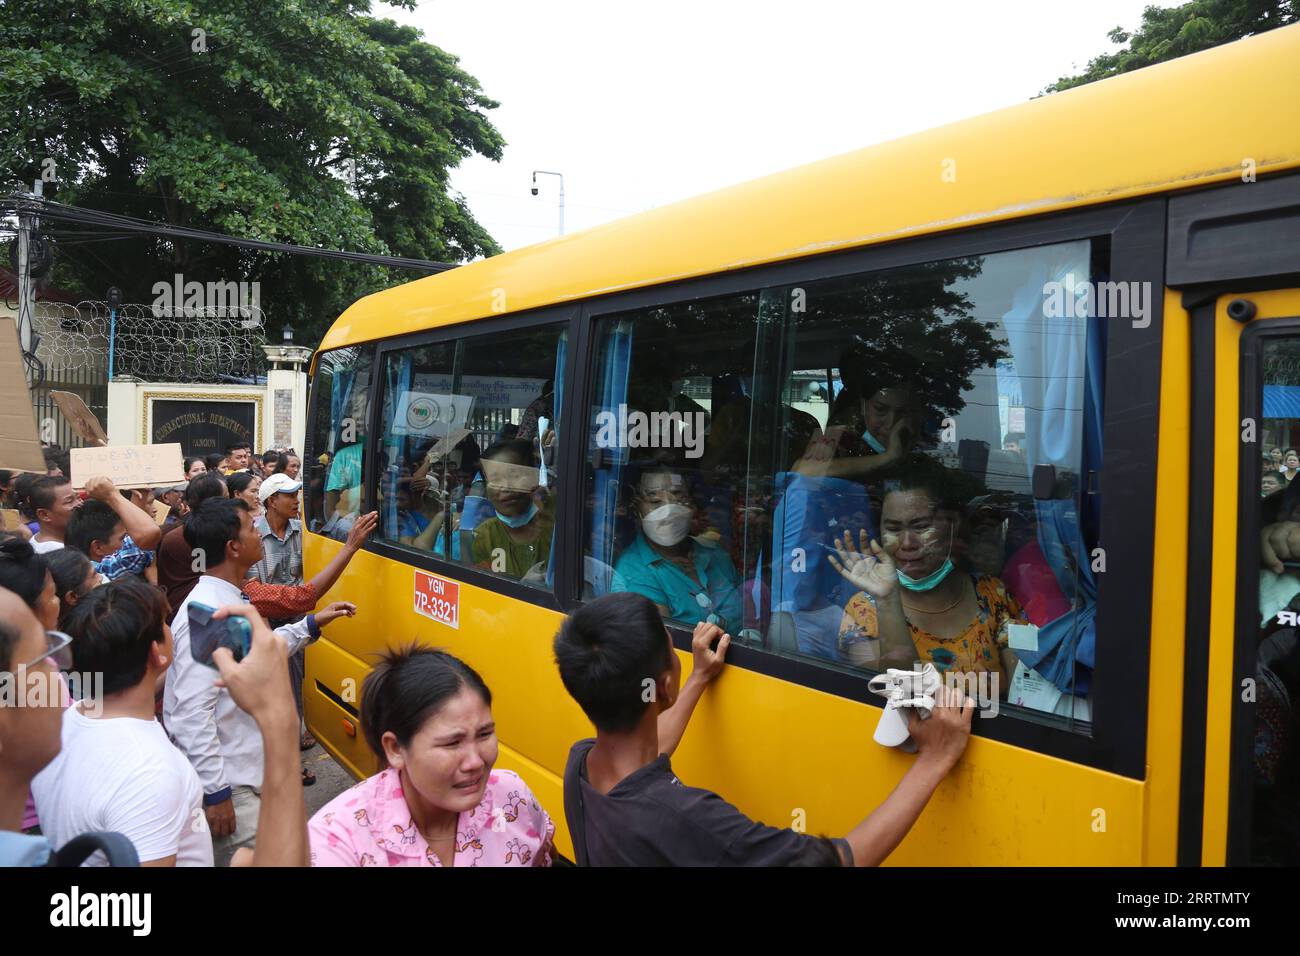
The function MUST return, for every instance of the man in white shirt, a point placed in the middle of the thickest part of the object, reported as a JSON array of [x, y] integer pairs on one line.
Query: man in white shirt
[[117, 771], [220, 740], [52, 502]]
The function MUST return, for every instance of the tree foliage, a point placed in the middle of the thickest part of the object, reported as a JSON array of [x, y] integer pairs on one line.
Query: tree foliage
[[1167, 33], [304, 121]]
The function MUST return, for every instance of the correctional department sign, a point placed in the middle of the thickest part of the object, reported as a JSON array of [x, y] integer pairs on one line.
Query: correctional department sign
[[203, 427]]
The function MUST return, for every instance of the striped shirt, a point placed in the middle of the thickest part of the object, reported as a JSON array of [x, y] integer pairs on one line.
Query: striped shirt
[[281, 557]]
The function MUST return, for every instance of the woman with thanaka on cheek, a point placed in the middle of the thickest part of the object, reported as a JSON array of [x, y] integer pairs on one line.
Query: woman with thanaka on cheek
[[439, 801], [913, 604], [516, 540]]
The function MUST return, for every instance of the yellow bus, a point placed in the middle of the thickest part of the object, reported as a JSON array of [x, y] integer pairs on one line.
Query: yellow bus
[[1081, 315]]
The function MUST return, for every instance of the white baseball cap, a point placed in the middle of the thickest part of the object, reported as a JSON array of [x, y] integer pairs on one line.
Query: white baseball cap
[[275, 485]]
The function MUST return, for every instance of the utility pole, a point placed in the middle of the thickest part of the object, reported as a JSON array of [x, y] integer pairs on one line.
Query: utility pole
[[27, 340]]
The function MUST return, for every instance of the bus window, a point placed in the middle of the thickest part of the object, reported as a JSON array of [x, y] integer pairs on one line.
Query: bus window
[[512, 378], [939, 392], [667, 474], [735, 441], [338, 440], [419, 417], [1275, 791], [470, 438]]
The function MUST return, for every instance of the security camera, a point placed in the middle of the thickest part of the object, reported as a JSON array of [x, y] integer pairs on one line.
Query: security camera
[[534, 190]]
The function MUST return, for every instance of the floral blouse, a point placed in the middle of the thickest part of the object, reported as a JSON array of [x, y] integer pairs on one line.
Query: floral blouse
[[975, 649], [371, 825]]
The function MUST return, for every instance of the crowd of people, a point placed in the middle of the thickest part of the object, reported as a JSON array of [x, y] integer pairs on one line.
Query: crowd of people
[[109, 576], [1281, 465], [198, 763]]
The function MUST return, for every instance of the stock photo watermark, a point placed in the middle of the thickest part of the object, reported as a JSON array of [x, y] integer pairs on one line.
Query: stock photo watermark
[[205, 298], [1074, 298], [43, 687], [638, 429]]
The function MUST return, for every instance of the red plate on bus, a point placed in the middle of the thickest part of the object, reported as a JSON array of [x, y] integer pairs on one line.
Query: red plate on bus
[[437, 598]]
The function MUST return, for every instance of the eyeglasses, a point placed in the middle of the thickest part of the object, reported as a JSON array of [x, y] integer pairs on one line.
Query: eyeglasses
[[58, 649]]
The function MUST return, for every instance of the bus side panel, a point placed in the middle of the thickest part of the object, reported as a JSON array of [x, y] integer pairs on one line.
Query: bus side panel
[[340, 673], [792, 756], [783, 753]]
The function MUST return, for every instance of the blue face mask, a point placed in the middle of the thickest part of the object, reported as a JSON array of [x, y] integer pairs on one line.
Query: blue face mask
[[518, 521], [929, 582], [871, 441]]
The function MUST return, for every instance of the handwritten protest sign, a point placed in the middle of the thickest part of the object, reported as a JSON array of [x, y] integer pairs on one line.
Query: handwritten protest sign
[[129, 466], [444, 446], [160, 512], [20, 447], [81, 418]]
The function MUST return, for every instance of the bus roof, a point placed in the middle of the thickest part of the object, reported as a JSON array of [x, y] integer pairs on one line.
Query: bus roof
[[1193, 121]]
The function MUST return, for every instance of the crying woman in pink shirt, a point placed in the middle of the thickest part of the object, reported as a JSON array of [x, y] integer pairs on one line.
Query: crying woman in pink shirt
[[438, 802]]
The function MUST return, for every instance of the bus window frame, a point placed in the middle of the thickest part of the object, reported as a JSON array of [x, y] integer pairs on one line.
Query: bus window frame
[[1136, 233], [566, 315], [310, 452]]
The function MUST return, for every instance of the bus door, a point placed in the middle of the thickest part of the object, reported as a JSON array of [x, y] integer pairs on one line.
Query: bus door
[[1263, 812], [1234, 255]]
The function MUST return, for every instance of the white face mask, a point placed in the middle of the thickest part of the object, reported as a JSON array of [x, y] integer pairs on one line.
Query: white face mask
[[667, 525]]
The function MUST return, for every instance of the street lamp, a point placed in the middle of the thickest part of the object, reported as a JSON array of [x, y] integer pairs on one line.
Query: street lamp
[[545, 172], [114, 299]]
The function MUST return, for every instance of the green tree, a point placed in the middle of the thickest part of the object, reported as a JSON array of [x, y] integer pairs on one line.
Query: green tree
[[1167, 33], [304, 121]]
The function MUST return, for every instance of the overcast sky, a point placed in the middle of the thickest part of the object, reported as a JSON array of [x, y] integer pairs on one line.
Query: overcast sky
[[640, 105]]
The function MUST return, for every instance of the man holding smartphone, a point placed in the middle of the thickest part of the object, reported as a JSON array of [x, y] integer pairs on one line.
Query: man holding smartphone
[[116, 771], [221, 741]]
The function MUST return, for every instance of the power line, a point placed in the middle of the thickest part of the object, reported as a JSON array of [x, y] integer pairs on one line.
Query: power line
[[47, 209]]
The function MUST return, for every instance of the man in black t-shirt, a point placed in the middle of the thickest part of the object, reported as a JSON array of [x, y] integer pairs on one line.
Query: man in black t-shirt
[[624, 805]]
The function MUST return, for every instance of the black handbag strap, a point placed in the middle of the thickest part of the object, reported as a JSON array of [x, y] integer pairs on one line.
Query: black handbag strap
[[119, 850]]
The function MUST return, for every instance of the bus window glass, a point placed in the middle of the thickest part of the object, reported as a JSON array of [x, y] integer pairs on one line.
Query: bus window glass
[[666, 478], [334, 475], [735, 441], [1276, 687], [420, 429], [470, 438], [940, 512]]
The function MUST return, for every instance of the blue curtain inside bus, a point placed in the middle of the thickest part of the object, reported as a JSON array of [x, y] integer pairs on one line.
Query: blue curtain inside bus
[[1048, 352], [396, 446], [340, 395], [557, 403], [616, 359]]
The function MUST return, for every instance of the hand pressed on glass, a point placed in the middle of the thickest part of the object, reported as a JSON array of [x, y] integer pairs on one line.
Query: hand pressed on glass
[[868, 567]]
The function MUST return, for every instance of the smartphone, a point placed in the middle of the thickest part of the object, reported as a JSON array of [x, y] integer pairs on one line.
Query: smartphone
[[206, 635]]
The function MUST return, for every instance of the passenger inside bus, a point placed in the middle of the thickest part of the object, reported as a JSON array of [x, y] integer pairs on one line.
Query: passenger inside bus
[[343, 489], [516, 539], [913, 603], [872, 427], [690, 578]]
